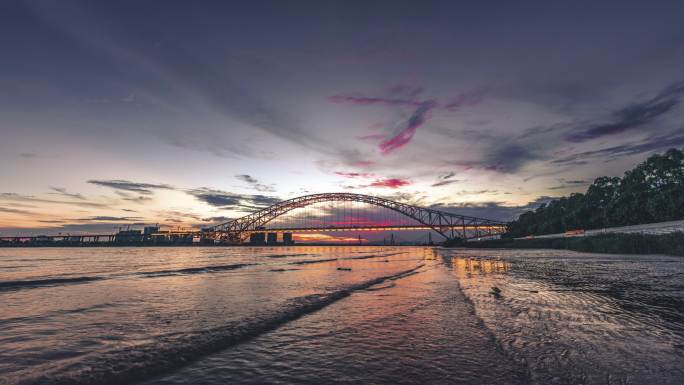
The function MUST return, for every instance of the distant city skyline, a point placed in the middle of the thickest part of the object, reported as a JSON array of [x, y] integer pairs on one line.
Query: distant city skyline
[[117, 113]]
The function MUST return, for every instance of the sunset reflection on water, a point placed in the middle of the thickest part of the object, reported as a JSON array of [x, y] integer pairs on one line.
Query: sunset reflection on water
[[308, 314]]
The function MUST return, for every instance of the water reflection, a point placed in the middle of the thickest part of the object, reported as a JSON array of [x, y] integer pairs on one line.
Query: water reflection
[[484, 265], [580, 318], [338, 315]]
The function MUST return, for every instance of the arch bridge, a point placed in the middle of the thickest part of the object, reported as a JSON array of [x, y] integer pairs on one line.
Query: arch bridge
[[448, 225]]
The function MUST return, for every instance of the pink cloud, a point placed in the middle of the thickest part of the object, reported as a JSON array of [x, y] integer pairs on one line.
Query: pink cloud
[[390, 183], [416, 120], [419, 116]]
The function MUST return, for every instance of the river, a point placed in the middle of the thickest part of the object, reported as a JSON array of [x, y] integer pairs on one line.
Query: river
[[338, 315]]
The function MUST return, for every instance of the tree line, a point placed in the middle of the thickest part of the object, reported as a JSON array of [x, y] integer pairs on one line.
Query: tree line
[[651, 192]]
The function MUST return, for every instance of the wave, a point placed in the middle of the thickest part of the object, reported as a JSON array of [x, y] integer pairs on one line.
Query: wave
[[285, 255], [309, 261], [54, 313], [195, 270], [373, 256], [169, 352], [34, 283]]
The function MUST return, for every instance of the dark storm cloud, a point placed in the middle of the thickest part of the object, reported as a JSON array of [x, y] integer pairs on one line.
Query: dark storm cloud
[[492, 210], [633, 116], [227, 200], [649, 145], [254, 183], [141, 188]]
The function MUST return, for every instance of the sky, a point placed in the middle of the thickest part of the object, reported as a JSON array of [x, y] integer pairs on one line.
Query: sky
[[189, 113]]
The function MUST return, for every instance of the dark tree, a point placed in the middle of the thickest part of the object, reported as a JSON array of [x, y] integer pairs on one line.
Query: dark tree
[[651, 192]]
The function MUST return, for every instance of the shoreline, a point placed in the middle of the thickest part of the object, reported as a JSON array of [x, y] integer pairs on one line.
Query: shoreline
[[668, 244], [108, 245]]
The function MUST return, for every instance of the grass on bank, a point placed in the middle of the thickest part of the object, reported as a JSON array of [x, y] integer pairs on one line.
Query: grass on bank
[[672, 244]]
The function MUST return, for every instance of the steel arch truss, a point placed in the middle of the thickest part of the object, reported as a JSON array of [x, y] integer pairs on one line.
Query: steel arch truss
[[449, 225]]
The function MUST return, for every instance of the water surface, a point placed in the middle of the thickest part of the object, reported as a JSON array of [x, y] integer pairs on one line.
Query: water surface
[[314, 315]]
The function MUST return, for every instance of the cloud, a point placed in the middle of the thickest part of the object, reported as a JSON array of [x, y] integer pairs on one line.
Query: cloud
[[633, 116], [141, 188], [364, 101], [476, 192], [417, 118], [566, 184], [255, 183], [355, 174], [509, 158], [29, 198], [390, 183], [62, 191], [219, 219], [216, 197], [13, 211], [28, 155], [362, 163], [445, 179], [469, 98], [371, 137], [246, 178], [404, 136], [228, 200], [109, 219], [633, 148], [491, 210], [444, 183]]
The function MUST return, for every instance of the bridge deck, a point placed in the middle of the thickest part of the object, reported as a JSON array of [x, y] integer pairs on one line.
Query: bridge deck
[[371, 228]]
